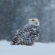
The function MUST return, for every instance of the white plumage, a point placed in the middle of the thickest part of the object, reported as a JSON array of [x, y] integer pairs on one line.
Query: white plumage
[[28, 34]]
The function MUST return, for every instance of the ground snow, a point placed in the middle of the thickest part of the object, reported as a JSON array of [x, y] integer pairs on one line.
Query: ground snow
[[36, 49]]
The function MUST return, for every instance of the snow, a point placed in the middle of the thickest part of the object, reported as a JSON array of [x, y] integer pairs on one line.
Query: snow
[[36, 49]]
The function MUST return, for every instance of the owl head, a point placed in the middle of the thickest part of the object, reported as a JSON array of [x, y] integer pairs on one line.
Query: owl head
[[34, 21]]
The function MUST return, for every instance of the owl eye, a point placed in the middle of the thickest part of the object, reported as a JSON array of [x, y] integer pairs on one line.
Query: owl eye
[[33, 20]]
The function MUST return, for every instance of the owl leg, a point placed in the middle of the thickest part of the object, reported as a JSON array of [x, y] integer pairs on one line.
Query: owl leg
[[28, 42]]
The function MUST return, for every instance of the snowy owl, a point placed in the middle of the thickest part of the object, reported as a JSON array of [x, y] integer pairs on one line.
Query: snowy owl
[[28, 34]]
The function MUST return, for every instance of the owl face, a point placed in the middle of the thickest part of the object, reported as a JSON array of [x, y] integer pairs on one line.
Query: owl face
[[34, 21]]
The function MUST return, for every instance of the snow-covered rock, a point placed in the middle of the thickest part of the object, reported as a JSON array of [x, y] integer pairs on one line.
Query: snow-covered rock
[[36, 49]]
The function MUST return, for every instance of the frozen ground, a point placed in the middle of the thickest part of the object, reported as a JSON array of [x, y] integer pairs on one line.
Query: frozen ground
[[36, 49]]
